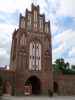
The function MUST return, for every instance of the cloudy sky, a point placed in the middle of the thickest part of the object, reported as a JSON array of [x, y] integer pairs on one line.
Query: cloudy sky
[[61, 14]]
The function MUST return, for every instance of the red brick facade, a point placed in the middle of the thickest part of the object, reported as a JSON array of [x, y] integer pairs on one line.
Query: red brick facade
[[20, 54], [19, 74], [65, 83]]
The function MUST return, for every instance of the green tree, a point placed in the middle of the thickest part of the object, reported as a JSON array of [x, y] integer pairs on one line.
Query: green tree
[[59, 63]]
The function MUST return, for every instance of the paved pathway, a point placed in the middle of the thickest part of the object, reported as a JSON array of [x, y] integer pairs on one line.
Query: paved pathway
[[39, 98]]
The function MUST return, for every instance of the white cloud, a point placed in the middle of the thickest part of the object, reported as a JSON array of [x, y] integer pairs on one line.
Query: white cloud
[[22, 5], [66, 42], [72, 52], [66, 37], [7, 28], [2, 52], [7, 5], [56, 8], [4, 57], [54, 27], [57, 52], [6, 31], [62, 7], [66, 8], [13, 5]]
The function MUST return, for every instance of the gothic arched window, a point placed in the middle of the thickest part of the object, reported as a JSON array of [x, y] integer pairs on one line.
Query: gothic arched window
[[35, 16], [46, 28], [29, 22], [41, 24], [35, 20], [35, 56]]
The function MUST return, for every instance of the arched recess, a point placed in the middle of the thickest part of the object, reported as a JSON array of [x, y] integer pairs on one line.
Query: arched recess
[[35, 83], [22, 39], [55, 87], [7, 88]]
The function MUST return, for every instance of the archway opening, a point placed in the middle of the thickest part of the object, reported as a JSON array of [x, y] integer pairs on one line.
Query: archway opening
[[35, 83], [7, 88], [55, 87]]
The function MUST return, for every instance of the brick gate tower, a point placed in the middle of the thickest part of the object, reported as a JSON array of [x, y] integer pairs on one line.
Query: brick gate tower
[[31, 52]]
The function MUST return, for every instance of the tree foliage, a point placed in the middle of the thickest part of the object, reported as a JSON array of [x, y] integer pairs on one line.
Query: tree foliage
[[60, 65]]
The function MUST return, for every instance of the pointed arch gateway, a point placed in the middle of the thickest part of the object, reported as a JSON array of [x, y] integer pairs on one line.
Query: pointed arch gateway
[[34, 84]]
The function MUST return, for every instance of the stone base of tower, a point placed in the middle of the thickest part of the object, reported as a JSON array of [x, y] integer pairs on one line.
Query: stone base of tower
[[41, 83]]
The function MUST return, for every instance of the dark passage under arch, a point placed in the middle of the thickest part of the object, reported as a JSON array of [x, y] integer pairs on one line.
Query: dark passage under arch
[[35, 83], [55, 87]]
